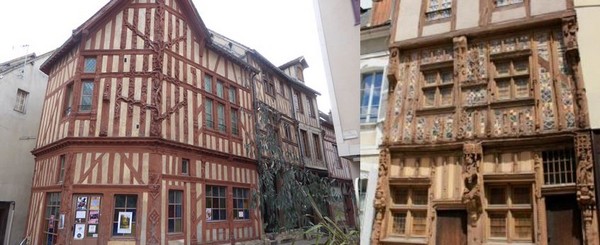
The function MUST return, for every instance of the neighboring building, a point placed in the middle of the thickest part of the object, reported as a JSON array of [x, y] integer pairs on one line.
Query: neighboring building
[[22, 90], [374, 41], [138, 141], [487, 137], [339, 24], [343, 211]]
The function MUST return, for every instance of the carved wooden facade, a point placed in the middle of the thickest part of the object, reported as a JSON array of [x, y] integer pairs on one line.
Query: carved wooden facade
[[146, 135], [487, 131]]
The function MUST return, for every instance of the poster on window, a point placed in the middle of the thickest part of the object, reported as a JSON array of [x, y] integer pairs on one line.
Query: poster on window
[[124, 222], [94, 215], [80, 216], [95, 203], [82, 203], [79, 231], [208, 214]]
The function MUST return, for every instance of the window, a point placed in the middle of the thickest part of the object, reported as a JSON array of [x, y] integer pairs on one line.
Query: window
[[370, 95], [311, 106], [282, 88], [304, 138], [175, 219], [51, 218], [208, 83], [61, 169], [87, 92], [219, 89], [208, 113], [241, 203], [124, 220], [221, 117], [500, 3], [336, 157], [509, 212], [559, 167], [287, 130], [89, 65], [216, 203], [437, 88], [317, 141], [232, 95], [68, 100], [234, 122], [21, 100], [185, 166], [409, 210], [512, 79], [438, 9], [298, 102]]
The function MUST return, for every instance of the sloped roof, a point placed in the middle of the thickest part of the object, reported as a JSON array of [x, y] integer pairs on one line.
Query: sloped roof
[[110, 7], [8, 66], [300, 60], [380, 14]]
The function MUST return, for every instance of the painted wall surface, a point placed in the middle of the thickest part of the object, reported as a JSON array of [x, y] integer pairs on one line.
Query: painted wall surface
[[340, 45], [409, 15], [18, 133], [589, 50]]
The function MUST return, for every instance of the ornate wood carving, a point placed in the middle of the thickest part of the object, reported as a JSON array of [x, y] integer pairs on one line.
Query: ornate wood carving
[[585, 184], [569, 30], [472, 153], [381, 195]]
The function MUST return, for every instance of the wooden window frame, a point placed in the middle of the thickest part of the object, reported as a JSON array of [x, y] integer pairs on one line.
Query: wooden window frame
[[317, 146], [208, 83], [68, 99], [232, 92], [220, 89], [410, 208], [126, 208], [85, 62], [512, 78], [209, 115], [298, 106], [566, 172], [81, 108], [220, 198], [305, 143], [434, 15], [221, 118], [311, 107], [173, 217], [509, 209], [21, 102], [245, 198], [51, 207], [234, 116], [436, 87], [185, 166], [268, 84], [62, 161]]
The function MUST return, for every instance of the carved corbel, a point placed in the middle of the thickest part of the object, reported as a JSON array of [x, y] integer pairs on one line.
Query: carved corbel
[[393, 69], [472, 153], [380, 195], [585, 183]]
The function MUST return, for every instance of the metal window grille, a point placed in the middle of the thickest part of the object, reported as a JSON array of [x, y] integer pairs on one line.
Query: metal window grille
[[559, 167]]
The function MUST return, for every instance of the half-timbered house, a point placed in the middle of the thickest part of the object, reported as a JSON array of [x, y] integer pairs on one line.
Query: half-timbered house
[[487, 136], [343, 208], [144, 134]]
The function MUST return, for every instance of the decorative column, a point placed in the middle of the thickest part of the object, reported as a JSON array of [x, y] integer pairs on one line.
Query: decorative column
[[153, 232], [381, 194], [472, 153], [569, 30], [460, 73], [585, 187], [66, 201], [540, 201]]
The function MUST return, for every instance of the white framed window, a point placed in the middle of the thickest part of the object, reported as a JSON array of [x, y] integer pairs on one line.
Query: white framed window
[[438, 9], [21, 102], [500, 3], [370, 96]]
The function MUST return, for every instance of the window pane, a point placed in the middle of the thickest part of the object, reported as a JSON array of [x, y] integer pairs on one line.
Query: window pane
[[497, 195], [522, 87], [208, 112], [233, 95], [89, 65], [523, 225], [419, 197], [208, 83], [497, 224], [119, 201], [220, 89], [430, 78], [446, 96], [419, 223], [521, 67], [221, 117], [131, 201], [429, 99], [447, 77], [400, 196], [234, 122], [399, 223], [521, 195], [503, 89], [503, 69]]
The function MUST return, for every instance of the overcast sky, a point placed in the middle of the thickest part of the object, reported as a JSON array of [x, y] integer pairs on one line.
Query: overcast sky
[[281, 30]]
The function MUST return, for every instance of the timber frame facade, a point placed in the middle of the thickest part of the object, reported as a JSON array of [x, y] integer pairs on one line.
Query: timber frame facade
[[487, 137], [144, 134]]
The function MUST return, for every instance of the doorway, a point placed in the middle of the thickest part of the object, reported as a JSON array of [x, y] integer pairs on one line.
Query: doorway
[[451, 227], [564, 220]]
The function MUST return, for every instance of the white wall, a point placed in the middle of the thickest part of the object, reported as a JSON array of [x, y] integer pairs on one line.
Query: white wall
[[588, 16]]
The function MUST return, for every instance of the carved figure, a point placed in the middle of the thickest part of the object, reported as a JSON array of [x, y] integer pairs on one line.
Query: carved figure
[[472, 192]]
